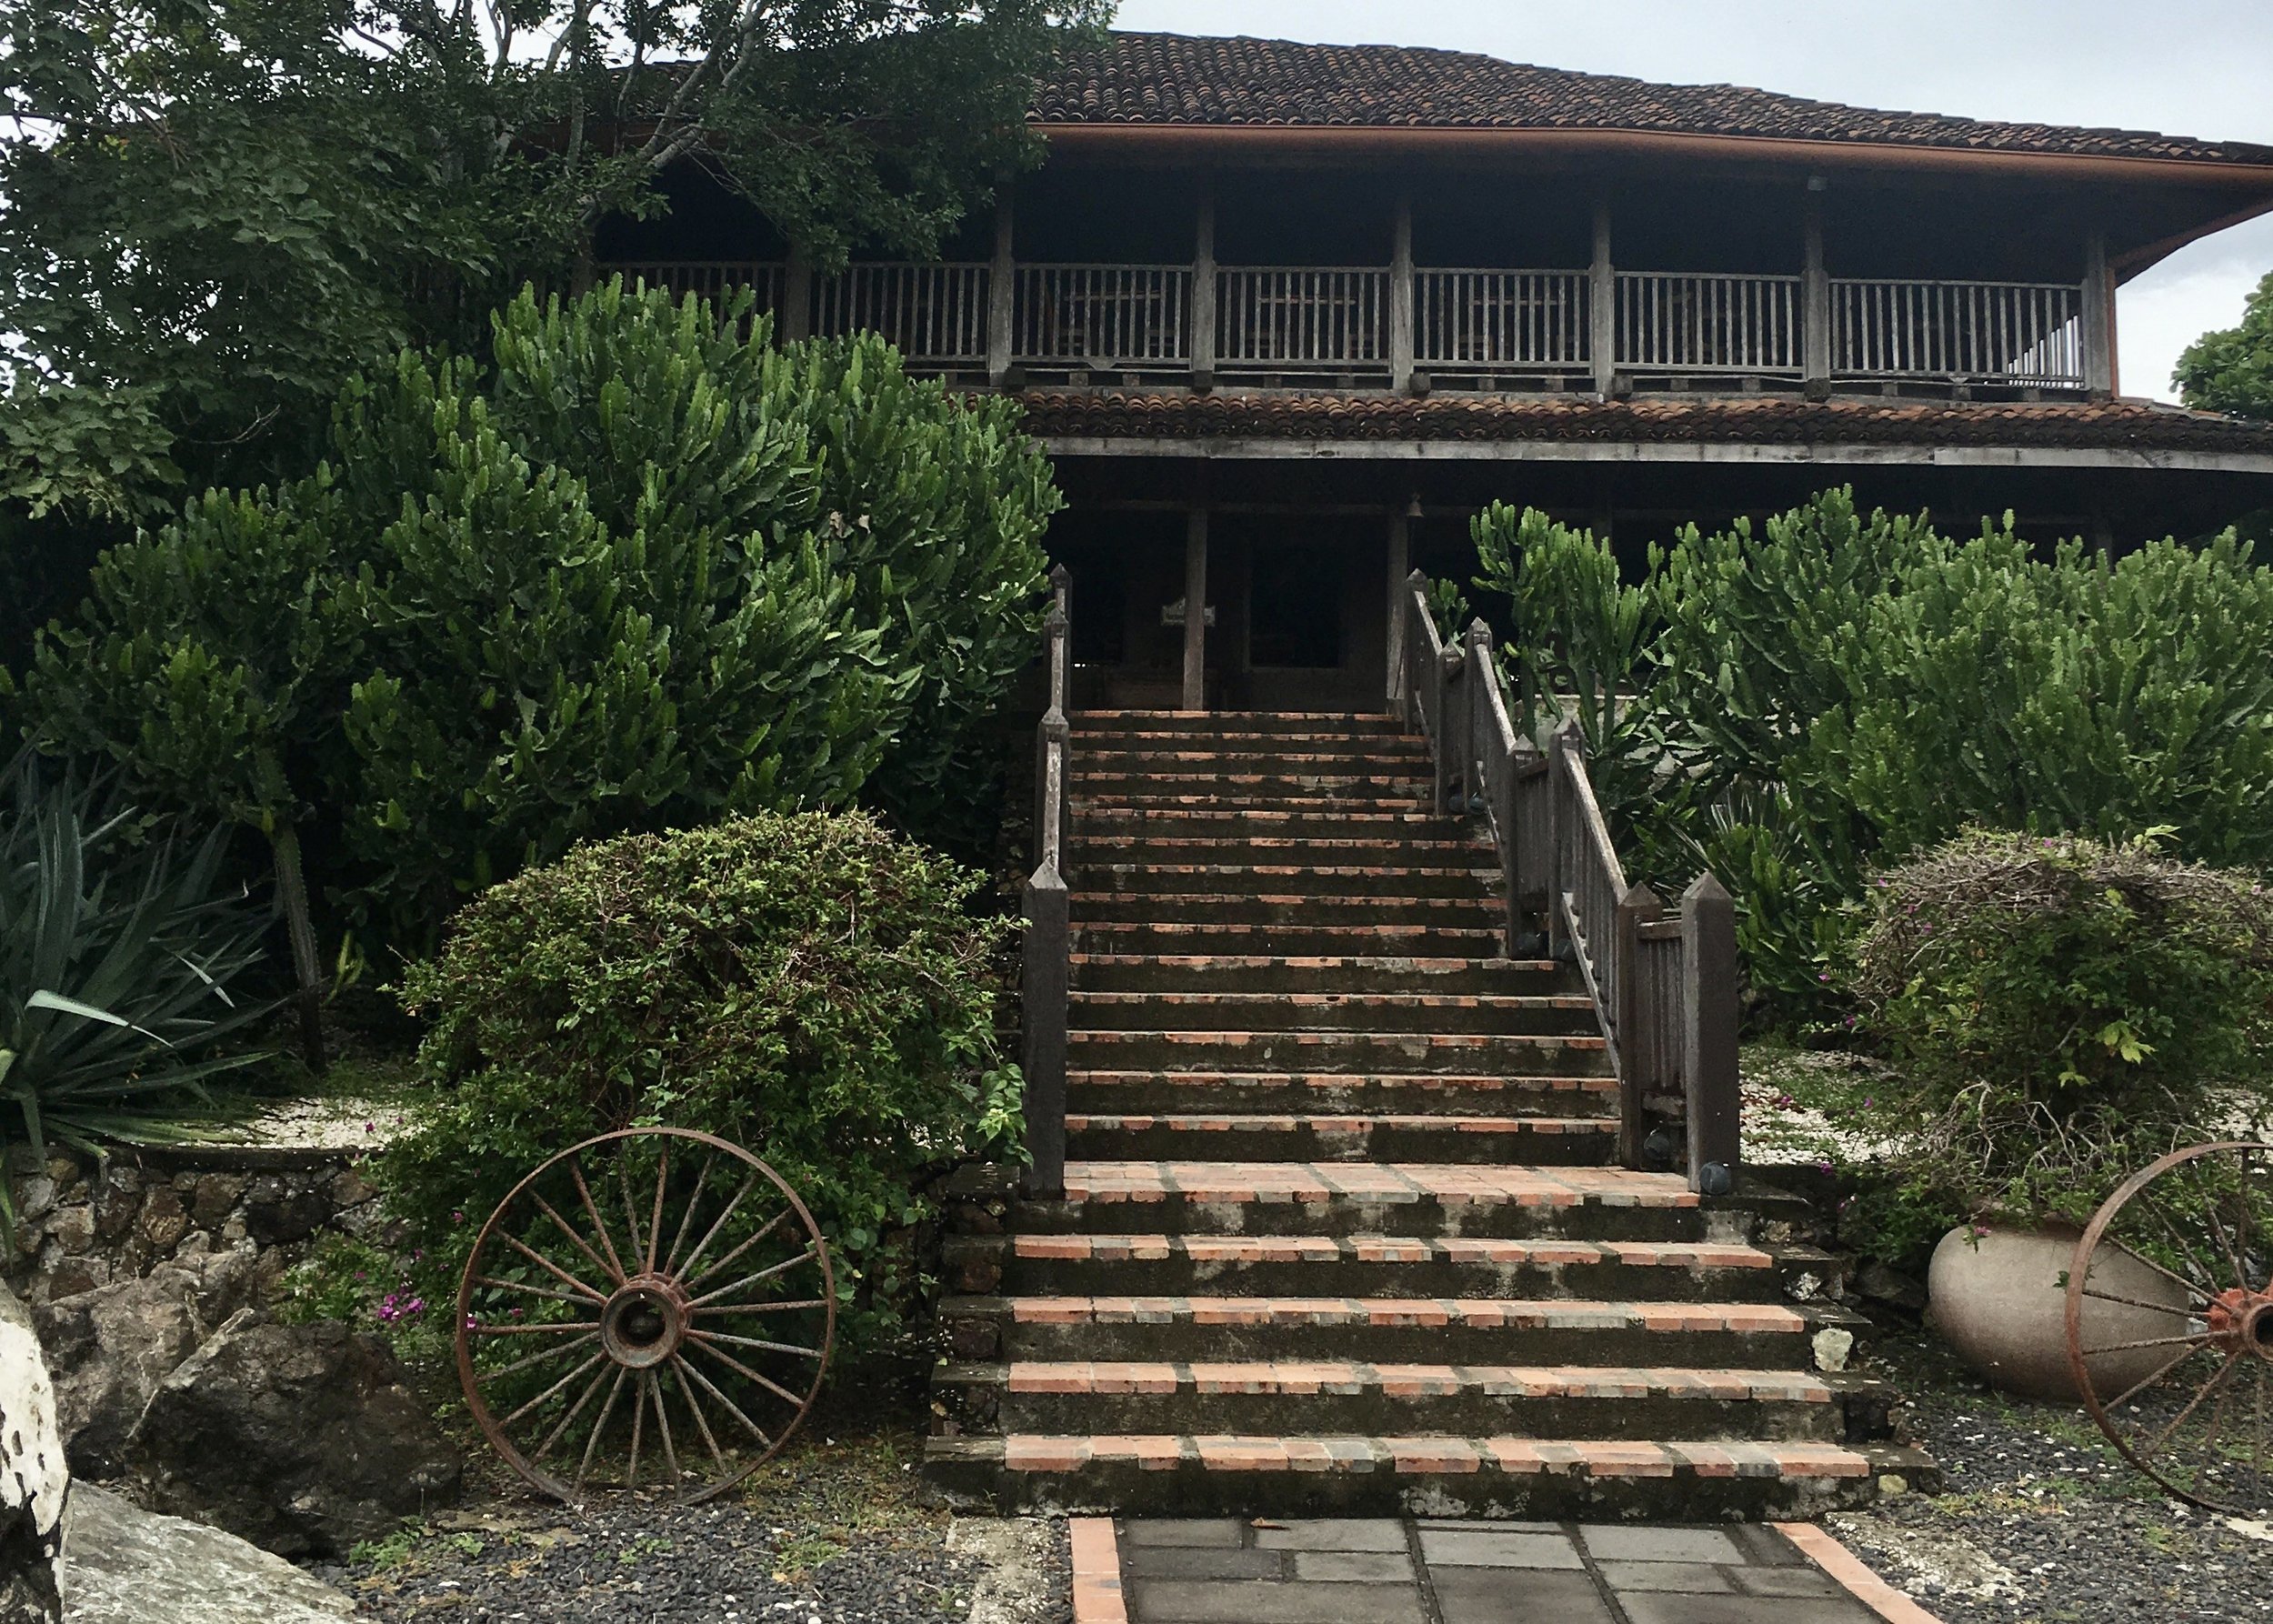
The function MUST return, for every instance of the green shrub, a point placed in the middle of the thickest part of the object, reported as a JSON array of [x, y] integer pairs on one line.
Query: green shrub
[[124, 954], [805, 985], [642, 569], [2059, 1009]]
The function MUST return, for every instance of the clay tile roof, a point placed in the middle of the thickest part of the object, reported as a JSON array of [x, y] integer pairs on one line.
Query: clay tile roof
[[2106, 424], [1180, 79]]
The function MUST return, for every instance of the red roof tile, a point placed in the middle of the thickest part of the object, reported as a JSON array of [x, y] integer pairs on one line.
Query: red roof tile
[[1765, 420], [1178, 79]]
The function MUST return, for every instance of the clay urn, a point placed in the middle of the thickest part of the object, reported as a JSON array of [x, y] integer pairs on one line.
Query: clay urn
[[1998, 1296]]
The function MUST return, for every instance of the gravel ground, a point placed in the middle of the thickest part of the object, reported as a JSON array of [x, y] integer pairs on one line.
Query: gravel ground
[[2042, 1522], [830, 1533]]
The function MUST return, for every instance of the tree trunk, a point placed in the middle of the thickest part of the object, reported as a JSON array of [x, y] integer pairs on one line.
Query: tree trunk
[[293, 891]]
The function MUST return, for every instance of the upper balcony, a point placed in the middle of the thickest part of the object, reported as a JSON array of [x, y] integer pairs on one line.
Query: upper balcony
[[1422, 328]]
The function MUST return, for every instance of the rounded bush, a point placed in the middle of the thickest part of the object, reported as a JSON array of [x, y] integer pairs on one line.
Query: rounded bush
[[803, 984]]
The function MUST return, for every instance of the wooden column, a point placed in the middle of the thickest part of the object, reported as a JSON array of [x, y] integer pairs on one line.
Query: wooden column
[[796, 297], [1400, 550], [1401, 299], [1195, 610], [1002, 286], [1602, 299], [1709, 1035], [1815, 296], [1203, 290], [2098, 317]]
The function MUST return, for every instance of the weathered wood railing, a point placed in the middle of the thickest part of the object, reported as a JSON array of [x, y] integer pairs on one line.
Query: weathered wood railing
[[1468, 321], [1970, 332], [1664, 982], [1459, 323], [1046, 970]]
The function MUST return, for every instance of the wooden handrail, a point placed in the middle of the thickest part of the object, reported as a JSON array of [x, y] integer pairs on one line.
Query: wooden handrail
[[1664, 984], [1046, 957]]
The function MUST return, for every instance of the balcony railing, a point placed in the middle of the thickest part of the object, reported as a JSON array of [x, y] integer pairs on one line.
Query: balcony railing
[[1266, 321], [1299, 318], [1106, 317], [2023, 333], [1709, 323], [1468, 321]]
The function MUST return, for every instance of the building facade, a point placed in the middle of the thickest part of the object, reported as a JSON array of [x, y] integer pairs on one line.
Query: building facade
[[1287, 314]]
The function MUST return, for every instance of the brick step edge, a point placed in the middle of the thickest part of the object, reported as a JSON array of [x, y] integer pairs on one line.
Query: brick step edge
[[1389, 1381]]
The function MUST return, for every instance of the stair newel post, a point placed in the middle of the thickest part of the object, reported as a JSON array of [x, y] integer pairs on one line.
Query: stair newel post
[[1525, 857], [1639, 1063], [1413, 651], [1709, 1035], [1046, 968], [1059, 626], [1562, 819]]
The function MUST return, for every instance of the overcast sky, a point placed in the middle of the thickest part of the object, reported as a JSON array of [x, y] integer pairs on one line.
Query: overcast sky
[[2186, 67]]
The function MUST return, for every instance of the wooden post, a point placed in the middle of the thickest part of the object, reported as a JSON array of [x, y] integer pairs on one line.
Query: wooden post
[[1637, 1059], [1195, 610], [1602, 304], [1002, 287], [797, 296], [1815, 298], [1400, 547], [1048, 937], [2097, 317], [1401, 299], [1709, 1035], [1203, 290]]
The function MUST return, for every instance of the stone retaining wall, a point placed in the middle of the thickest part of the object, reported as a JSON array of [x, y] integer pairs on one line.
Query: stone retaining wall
[[81, 1223]]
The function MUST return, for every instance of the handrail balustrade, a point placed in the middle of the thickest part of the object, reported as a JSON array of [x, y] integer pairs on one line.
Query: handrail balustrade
[[1047, 967], [1664, 988], [1463, 322]]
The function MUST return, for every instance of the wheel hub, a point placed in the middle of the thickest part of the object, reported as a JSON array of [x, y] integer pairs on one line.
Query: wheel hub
[[2242, 1321], [644, 1322]]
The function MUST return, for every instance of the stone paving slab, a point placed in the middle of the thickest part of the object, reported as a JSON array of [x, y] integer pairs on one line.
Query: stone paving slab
[[1269, 1571]]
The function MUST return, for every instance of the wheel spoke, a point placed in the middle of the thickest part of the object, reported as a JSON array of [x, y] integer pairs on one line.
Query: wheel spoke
[[583, 1194], [608, 1268], [662, 1428], [592, 1444], [631, 1223], [772, 1224], [538, 1357], [2189, 1286], [703, 1344], [585, 1292], [2196, 1338], [705, 1306], [702, 1421], [550, 1328], [579, 1297], [655, 1220], [733, 1341], [638, 1425], [783, 1267], [2241, 1275], [2134, 1302], [2146, 1200], [555, 1390], [2137, 1387], [2193, 1404], [717, 1224], [561, 1427], [686, 1222], [733, 1409]]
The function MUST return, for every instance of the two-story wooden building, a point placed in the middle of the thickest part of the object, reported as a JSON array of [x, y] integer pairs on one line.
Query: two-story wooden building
[[1287, 314]]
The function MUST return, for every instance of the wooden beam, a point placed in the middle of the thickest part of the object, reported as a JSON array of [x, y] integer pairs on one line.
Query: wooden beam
[[1195, 610], [1401, 299], [1002, 285], [1203, 289], [1602, 298]]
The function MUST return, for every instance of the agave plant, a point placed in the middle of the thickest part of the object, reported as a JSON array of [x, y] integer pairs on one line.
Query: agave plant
[[120, 944]]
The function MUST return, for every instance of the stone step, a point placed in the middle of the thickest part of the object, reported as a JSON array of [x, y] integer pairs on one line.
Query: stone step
[[1294, 787], [1139, 737], [1163, 1049], [1208, 723], [1321, 973], [1203, 816], [1401, 1199], [1407, 757], [1548, 1142], [1466, 1329], [1354, 1474], [1423, 1014], [1251, 850], [1158, 1265], [1216, 907], [1301, 1093], [1249, 938], [1300, 1396], [1284, 879]]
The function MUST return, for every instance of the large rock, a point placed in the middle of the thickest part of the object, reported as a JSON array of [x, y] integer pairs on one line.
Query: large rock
[[33, 1481], [303, 1438], [129, 1566], [110, 1348]]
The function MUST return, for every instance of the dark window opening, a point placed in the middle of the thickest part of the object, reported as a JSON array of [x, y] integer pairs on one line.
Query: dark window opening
[[1294, 617]]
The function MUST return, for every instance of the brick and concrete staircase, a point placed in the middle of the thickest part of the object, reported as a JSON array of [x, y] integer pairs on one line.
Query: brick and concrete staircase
[[1341, 1227]]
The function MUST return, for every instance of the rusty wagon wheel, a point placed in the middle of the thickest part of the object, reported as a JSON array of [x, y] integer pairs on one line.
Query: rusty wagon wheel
[[2170, 1323], [656, 1301]]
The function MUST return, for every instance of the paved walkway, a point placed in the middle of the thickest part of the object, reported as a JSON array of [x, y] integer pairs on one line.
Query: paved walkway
[[1267, 1571]]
